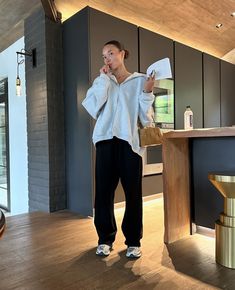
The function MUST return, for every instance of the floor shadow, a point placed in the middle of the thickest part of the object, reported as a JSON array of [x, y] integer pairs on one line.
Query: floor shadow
[[117, 272], [188, 258], [113, 272], [148, 277]]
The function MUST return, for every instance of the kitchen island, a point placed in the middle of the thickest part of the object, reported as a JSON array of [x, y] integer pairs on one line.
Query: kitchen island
[[176, 154]]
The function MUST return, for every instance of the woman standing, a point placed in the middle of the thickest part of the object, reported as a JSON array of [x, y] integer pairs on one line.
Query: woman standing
[[116, 100]]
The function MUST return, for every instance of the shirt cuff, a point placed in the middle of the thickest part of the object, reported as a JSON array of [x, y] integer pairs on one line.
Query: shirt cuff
[[104, 76]]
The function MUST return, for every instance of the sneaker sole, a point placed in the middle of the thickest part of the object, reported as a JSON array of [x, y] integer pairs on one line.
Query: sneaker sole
[[133, 256], [102, 254]]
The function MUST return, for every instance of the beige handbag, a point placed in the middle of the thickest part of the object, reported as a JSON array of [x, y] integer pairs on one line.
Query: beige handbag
[[150, 136]]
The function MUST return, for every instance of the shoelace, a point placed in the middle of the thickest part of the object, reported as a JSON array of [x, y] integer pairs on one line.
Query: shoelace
[[133, 249], [102, 247]]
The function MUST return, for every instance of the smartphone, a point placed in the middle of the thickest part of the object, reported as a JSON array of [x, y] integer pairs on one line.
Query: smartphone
[[153, 73]]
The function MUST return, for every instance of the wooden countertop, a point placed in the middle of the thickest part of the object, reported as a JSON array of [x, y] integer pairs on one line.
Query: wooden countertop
[[197, 133]]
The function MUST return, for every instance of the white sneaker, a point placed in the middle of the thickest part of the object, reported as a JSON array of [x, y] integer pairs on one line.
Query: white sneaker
[[133, 252], [103, 250]]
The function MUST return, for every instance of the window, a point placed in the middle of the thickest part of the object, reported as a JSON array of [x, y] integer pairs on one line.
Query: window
[[4, 160]]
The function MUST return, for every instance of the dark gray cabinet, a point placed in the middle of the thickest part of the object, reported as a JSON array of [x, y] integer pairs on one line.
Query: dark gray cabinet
[[84, 35], [211, 91], [77, 123], [227, 94], [188, 84], [153, 47], [103, 28]]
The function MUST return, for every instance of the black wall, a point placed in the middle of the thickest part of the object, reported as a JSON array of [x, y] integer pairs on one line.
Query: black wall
[[211, 90], [188, 85], [103, 28], [77, 122], [227, 94], [153, 47]]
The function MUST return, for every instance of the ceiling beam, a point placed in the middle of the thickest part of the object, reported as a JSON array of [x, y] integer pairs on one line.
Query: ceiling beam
[[51, 11]]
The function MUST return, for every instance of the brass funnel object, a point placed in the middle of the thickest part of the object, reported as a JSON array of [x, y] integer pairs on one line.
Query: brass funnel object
[[225, 226]]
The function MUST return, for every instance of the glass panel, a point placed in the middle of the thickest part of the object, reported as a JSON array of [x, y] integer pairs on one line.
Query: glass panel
[[3, 159], [164, 103], [163, 107], [4, 190]]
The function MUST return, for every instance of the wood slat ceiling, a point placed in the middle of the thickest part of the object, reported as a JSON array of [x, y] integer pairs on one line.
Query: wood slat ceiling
[[191, 22], [12, 15]]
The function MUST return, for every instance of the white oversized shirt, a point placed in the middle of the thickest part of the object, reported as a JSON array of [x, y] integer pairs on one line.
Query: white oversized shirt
[[116, 107]]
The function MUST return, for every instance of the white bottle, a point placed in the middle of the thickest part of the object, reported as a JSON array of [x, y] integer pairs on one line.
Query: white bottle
[[188, 119]]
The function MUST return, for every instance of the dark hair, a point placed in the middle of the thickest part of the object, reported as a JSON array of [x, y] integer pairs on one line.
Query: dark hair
[[119, 46]]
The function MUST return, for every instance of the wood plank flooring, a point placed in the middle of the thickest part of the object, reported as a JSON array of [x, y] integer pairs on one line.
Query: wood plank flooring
[[41, 251]]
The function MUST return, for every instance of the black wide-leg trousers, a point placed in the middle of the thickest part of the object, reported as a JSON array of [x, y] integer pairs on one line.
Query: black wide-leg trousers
[[115, 160]]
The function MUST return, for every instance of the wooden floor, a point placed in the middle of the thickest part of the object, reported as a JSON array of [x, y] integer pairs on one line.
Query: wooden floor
[[40, 251]]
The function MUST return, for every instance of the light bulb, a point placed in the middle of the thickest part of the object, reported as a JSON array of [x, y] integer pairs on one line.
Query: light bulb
[[18, 86]]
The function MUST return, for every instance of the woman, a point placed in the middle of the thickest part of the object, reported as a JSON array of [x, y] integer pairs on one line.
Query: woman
[[117, 99]]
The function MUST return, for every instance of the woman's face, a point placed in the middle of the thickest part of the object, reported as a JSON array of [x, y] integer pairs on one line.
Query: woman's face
[[112, 56]]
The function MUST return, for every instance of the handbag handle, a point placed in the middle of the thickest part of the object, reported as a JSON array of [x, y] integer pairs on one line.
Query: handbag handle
[[139, 124]]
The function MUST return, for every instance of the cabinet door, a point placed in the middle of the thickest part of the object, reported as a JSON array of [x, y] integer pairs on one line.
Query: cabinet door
[[211, 90], [188, 84], [153, 47], [79, 181], [227, 94], [103, 28]]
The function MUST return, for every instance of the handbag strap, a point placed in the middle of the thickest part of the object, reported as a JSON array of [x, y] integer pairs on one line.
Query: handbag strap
[[139, 124]]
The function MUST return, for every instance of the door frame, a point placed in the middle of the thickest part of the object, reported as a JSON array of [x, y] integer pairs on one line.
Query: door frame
[[4, 99]]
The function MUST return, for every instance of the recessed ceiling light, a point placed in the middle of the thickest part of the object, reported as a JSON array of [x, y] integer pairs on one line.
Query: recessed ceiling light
[[233, 14], [219, 25]]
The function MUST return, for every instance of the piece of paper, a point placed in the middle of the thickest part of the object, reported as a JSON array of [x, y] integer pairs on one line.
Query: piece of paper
[[162, 69]]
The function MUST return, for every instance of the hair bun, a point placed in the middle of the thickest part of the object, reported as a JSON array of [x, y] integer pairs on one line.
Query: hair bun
[[119, 46], [126, 54]]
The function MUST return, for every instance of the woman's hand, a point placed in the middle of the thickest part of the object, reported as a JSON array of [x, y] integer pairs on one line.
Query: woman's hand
[[149, 83], [106, 70]]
